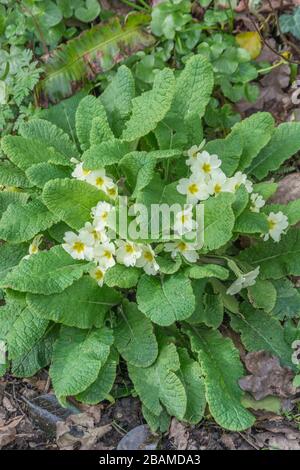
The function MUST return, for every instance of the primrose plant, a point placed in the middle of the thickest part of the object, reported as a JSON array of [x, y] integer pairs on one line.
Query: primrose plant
[[83, 295]]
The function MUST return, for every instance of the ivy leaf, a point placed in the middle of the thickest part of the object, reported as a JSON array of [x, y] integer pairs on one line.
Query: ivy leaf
[[219, 221], [47, 272], [287, 300], [122, 276], [11, 175], [78, 356], [10, 256], [262, 295], [291, 23], [99, 390], [276, 260], [71, 200], [259, 331], [88, 109], [207, 270], [284, 143], [41, 173], [150, 107], [191, 376], [21, 223], [134, 337], [84, 304], [105, 154], [165, 300], [49, 134], [221, 366], [159, 384]]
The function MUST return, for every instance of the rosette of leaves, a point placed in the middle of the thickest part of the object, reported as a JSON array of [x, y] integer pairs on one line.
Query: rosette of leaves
[[168, 333]]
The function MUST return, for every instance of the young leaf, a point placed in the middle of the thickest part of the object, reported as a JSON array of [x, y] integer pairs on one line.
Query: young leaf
[[78, 356], [47, 272], [208, 270], [105, 154], [134, 337], [89, 108], [165, 300], [221, 366], [219, 221], [122, 276], [251, 222], [83, 304], [266, 189]]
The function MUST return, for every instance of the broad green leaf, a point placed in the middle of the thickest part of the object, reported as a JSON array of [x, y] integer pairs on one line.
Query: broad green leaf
[[229, 150], [208, 270], [10, 256], [134, 337], [41, 173], [9, 313], [168, 265], [165, 300], [156, 423], [288, 300], [88, 109], [50, 135], [71, 200], [105, 154], [99, 390], [191, 376], [138, 167], [213, 311], [122, 276], [266, 189], [218, 221], [291, 210], [150, 108], [10, 197], [159, 384], [276, 260], [198, 286], [21, 223], [24, 333], [47, 272], [117, 97], [78, 356], [57, 231], [11, 175], [100, 130], [229, 301], [241, 200], [25, 152], [259, 331], [262, 295], [254, 132], [251, 222], [285, 142], [84, 304], [221, 366]]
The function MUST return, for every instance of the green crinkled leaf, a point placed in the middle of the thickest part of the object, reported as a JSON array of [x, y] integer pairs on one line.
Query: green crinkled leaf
[[25, 152], [78, 356], [229, 150], [208, 270], [221, 366], [165, 300], [168, 265], [100, 130], [37, 357], [213, 311], [276, 260], [284, 143], [71, 200], [9, 313], [47, 272], [84, 304], [21, 223], [10, 197], [41, 173], [122, 276], [105, 154], [291, 210], [99, 390], [218, 221], [191, 376], [156, 423], [251, 222], [150, 107], [10, 256], [138, 167], [241, 200], [117, 97], [159, 384], [57, 231], [50, 135], [259, 331], [288, 300], [134, 337], [262, 295], [88, 109], [24, 333], [266, 189], [11, 175]]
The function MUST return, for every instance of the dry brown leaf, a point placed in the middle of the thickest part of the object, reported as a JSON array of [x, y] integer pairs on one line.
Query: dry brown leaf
[[8, 431], [267, 377], [180, 435], [288, 189]]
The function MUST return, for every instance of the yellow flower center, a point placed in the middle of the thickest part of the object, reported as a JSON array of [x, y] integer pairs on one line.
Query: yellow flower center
[[96, 235], [104, 215], [271, 224], [218, 188], [183, 218], [112, 191], [206, 167], [181, 246], [129, 249], [99, 275], [193, 188], [86, 172], [107, 254], [78, 246], [99, 181], [148, 256], [34, 249]]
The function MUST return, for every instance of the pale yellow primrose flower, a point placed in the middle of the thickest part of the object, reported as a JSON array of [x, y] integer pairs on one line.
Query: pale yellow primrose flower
[[99, 179], [244, 280], [257, 202], [147, 261], [194, 187], [187, 250], [277, 222], [101, 213], [98, 274], [235, 182], [80, 173], [79, 247], [127, 252], [218, 183], [96, 236], [205, 164], [184, 222], [104, 255], [193, 152]]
